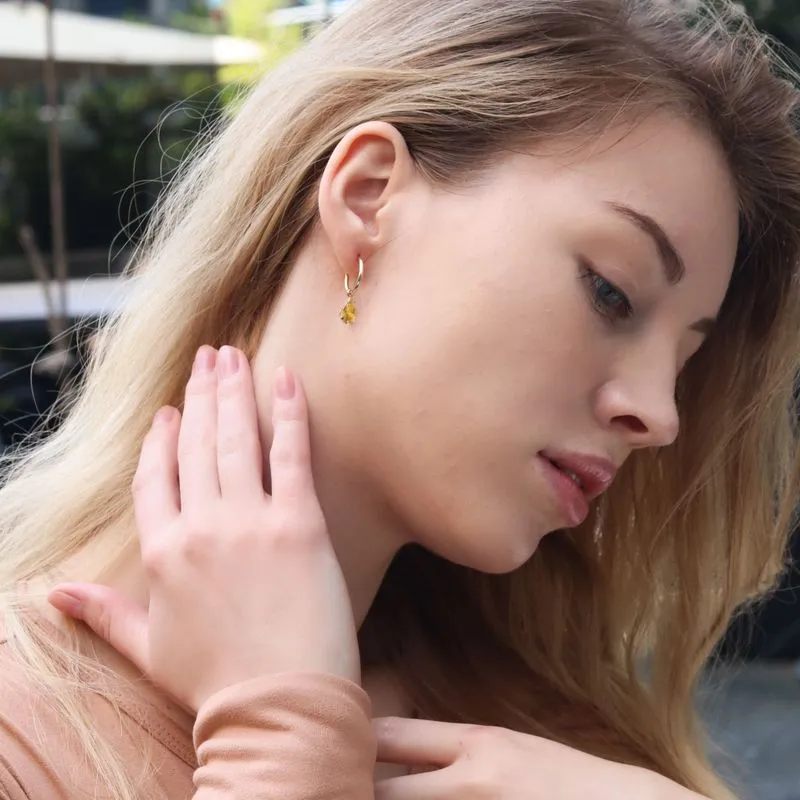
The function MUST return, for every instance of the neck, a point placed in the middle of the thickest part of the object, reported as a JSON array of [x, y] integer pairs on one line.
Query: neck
[[366, 535], [364, 560], [364, 557]]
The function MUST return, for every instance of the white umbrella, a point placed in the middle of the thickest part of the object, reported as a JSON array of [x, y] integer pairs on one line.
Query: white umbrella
[[88, 40]]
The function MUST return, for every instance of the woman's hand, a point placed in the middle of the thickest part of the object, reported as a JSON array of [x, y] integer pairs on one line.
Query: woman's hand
[[241, 584], [470, 762]]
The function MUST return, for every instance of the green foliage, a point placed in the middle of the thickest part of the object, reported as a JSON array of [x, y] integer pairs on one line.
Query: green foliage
[[249, 19], [120, 142], [196, 19], [122, 138], [23, 166]]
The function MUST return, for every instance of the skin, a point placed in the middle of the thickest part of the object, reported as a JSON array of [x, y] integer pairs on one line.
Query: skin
[[280, 603], [477, 343], [487, 332]]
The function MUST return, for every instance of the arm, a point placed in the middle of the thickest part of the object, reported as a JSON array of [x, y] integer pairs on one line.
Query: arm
[[288, 737], [248, 621], [472, 760]]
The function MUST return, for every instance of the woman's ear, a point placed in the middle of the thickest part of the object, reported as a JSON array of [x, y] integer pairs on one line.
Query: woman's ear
[[359, 191]]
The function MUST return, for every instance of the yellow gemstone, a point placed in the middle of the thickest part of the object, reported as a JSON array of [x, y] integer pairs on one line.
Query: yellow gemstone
[[348, 314]]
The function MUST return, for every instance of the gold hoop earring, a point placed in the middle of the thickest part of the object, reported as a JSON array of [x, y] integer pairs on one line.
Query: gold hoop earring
[[348, 313]]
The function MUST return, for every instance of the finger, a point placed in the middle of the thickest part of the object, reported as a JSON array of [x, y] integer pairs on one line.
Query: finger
[[112, 616], [197, 440], [418, 742], [290, 454], [239, 457], [156, 499], [440, 784]]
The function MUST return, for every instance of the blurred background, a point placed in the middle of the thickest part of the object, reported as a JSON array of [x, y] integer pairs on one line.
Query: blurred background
[[100, 100]]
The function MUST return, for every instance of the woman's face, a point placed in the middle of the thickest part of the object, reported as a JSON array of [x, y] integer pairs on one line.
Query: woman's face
[[540, 315]]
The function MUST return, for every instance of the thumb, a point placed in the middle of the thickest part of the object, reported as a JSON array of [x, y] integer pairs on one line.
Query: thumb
[[111, 615]]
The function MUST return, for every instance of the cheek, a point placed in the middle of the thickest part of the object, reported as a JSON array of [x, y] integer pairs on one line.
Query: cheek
[[459, 340], [490, 367], [457, 399], [537, 326]]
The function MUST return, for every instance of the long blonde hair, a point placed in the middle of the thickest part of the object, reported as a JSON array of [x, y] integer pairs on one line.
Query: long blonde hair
[[686, 536]]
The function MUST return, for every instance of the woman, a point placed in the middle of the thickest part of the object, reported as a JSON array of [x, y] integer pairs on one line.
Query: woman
[[552, 438]]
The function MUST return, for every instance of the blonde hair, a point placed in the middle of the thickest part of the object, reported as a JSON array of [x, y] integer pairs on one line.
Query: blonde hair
[[686, 535]]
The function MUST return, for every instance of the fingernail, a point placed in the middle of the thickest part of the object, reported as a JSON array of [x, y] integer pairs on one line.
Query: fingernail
[[284, 384], [163, 415], [228, 361], [66, 602], [205, 360]]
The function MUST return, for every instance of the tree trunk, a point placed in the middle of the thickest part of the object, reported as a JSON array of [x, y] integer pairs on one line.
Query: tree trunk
[[57, 224]]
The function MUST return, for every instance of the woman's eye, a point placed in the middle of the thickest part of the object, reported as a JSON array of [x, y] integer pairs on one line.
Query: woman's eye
[[606, 298]]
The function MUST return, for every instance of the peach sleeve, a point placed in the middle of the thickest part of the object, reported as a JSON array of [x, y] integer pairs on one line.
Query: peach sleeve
[[286, 737]]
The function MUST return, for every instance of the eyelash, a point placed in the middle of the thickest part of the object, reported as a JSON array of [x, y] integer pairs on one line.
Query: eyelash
[[617, 308]]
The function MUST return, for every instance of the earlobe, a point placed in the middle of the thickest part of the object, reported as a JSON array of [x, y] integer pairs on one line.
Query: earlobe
[[360, 185]]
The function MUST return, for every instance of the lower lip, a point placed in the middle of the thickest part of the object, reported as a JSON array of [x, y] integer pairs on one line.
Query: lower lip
[[573, 502]]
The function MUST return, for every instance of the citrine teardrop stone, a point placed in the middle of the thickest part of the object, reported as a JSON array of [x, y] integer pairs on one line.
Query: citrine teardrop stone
[[348, 314]]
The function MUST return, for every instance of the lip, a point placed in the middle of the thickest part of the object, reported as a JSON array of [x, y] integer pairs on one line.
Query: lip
[[573, 502], [595, 473]]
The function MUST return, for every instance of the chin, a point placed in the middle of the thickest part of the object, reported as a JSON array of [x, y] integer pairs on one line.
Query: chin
[[502, 564], [504, 556], [493, 543]]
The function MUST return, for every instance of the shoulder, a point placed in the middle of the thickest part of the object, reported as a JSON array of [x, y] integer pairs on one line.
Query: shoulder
[[42, 757], [48, 726], [29, 730]]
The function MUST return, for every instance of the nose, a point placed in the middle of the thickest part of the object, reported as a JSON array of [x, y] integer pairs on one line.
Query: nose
[[642, 410]]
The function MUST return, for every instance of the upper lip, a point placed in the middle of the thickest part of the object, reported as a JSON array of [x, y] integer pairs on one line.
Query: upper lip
[[595, 473]]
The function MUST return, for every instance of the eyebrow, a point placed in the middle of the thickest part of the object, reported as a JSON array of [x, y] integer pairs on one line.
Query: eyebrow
[[674, 268]]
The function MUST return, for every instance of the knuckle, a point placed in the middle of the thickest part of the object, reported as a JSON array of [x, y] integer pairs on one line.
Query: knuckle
[[283, 454], [193, 549], [236, 442], [153, 560], [290, 412], [147, 469], [246, 524], [142, 479], [290, 442], [103, 622], [198, 525], [295, 528], [196, 540], [232, 388], [201, 383], [294, 479], [230, 443], [482, 777], [479, 738], [488, 758], [196, 442], [146, 475]]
